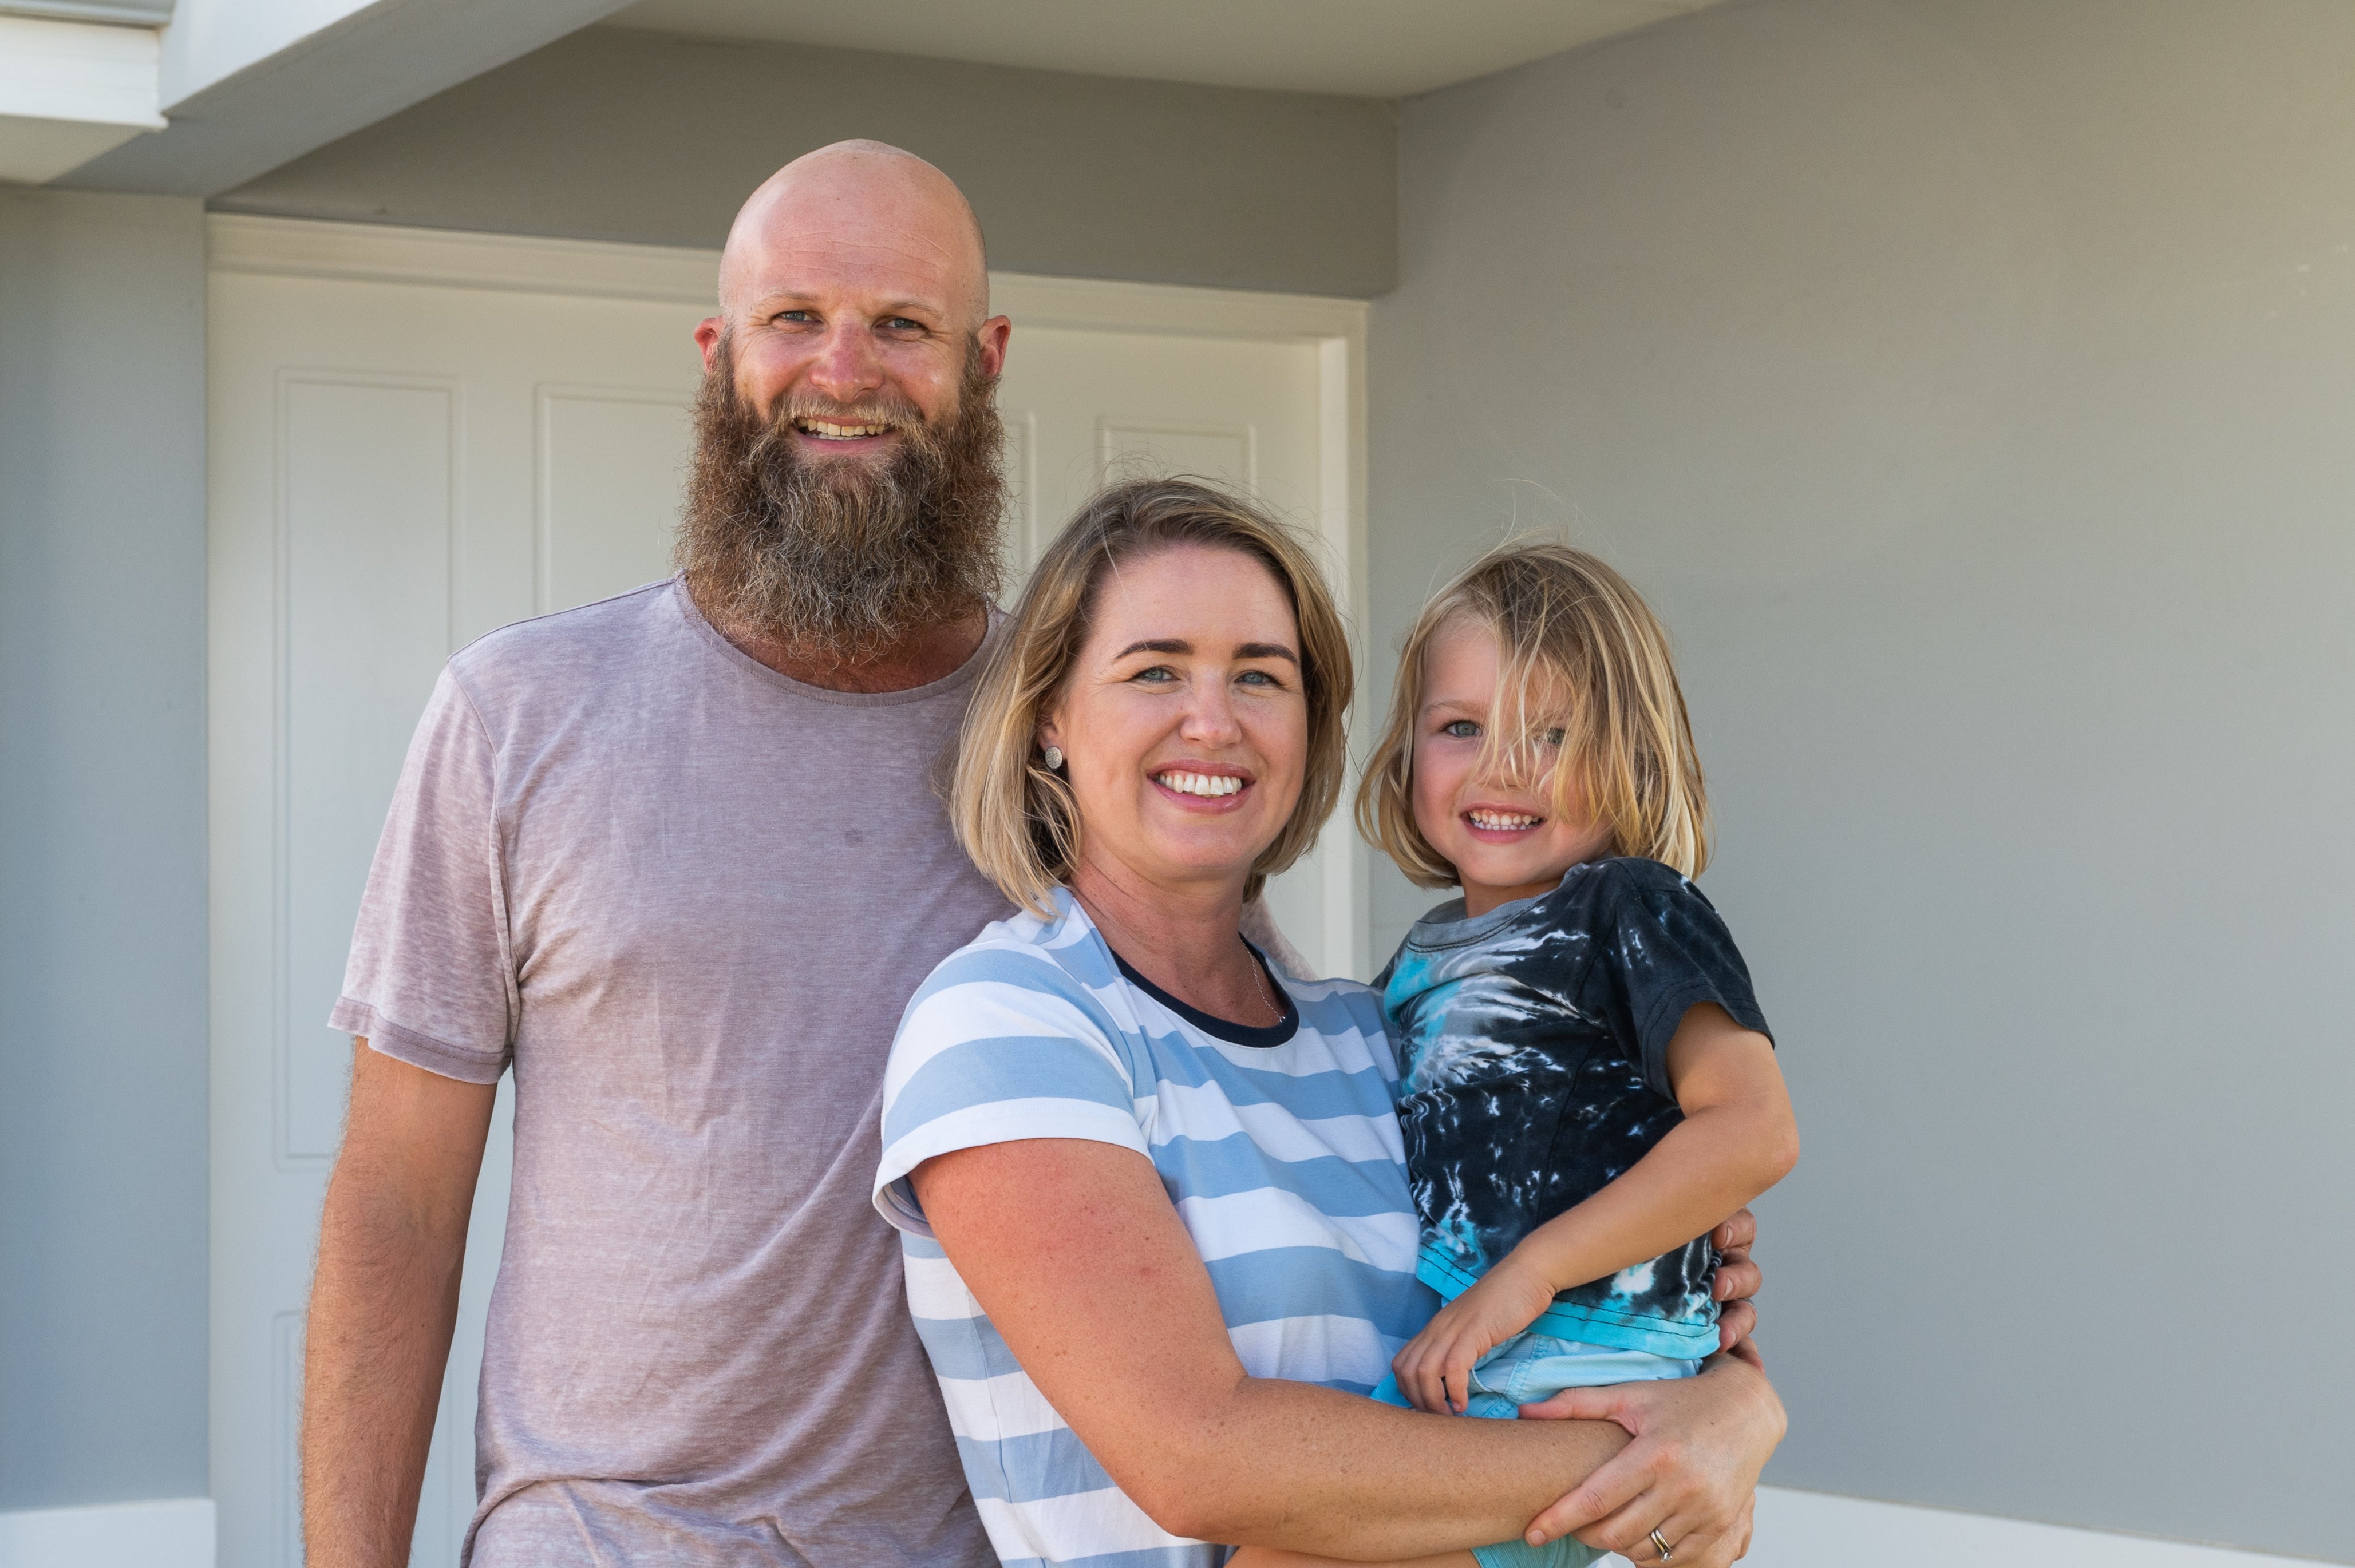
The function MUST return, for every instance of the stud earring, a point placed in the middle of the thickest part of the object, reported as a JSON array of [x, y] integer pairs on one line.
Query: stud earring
[[1054, 759]]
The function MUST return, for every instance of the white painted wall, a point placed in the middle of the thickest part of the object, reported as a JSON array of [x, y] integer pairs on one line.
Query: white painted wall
[[1970, 384]]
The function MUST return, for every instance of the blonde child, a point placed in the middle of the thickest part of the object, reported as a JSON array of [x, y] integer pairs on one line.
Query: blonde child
[[1590, 1088]]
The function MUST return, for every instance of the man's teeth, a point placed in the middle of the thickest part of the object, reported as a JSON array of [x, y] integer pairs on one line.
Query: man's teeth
[[1501, 820], [834, 433], [1199, 783]]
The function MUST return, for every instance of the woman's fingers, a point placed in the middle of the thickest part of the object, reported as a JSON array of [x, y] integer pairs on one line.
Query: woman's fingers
[[1735, 1323], [1599, 1404], [1737, 1278], [1698, 1446], [1738, 1232]]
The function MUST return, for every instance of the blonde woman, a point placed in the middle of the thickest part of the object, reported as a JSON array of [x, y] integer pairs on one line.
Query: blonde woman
[[1159, 1242]]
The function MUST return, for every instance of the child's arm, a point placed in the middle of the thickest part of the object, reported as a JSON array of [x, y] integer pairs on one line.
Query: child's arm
[[1736, 1140]]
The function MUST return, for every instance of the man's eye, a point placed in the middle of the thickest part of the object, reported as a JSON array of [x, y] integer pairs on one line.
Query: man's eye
[[1461, 729], [799, 318], [901, 323]]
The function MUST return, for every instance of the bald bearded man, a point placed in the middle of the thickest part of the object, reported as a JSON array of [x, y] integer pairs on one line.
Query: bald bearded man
[[630, 856], [634, 855]]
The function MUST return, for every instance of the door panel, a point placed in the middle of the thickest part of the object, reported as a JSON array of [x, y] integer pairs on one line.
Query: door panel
[[611, 464], [395, 469]]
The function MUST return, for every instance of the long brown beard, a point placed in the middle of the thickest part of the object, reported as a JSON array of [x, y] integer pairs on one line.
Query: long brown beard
[[833, 558]]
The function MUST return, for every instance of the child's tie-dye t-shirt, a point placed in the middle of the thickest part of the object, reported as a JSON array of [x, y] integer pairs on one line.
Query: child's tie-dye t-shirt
[[1535, 1041]]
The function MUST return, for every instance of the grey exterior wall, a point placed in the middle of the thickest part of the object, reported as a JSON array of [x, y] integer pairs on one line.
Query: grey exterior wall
[[617, 134], [102, 968], [1970, 383]]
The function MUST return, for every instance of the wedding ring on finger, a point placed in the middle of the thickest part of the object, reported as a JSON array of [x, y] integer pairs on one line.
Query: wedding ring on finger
[[1662, 1548]]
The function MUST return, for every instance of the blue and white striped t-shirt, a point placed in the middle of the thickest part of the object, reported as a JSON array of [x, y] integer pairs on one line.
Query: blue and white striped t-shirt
[[1284, 1159]]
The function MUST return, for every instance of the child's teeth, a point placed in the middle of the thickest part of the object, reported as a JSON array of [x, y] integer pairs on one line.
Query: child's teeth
[[1500, 820]]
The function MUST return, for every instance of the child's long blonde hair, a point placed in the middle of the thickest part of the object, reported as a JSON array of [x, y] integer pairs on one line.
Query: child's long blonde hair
[[1579, 652]]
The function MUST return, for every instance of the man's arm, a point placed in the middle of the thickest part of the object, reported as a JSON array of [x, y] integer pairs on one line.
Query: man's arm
[[383, 1303], [1073, 1250]]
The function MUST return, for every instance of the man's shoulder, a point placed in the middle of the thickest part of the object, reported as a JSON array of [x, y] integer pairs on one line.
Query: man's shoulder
[[568, 648], [571, 639]]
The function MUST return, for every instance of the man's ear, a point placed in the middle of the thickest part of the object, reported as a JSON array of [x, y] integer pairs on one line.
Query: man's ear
[[991, 337], [709, 332]]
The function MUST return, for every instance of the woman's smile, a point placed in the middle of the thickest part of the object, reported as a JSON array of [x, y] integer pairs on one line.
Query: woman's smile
[[1202, 785]]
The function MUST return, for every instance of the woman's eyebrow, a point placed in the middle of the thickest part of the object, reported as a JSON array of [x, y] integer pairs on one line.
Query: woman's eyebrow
[[1180, 646]]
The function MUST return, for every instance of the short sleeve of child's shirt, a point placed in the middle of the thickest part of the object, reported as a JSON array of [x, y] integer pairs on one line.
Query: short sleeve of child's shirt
[[431, 980], [1665, 950], [1000, 1043]]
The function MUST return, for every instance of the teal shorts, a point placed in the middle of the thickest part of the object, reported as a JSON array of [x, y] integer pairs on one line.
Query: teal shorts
[[1524, 1370]]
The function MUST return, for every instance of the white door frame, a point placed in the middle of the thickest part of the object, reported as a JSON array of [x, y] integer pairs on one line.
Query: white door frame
[[1336, 327]]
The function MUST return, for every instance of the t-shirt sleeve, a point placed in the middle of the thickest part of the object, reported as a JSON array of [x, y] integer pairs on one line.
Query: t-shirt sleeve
[[999, 1045], [1666, 949], [431, 980]]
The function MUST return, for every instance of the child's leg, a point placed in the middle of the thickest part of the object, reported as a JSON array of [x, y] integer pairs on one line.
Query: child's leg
[[1271, 1557]]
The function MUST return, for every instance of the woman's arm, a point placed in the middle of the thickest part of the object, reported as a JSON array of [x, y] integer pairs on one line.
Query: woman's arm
[[1737, 1139], [1073, 1250]]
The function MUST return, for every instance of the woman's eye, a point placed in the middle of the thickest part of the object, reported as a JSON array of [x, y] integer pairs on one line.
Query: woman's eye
[[1261, 678], [1461, 729], [1157, 675]]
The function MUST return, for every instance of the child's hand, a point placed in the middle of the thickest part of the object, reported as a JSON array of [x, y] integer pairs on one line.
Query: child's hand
[[1434, 1370]]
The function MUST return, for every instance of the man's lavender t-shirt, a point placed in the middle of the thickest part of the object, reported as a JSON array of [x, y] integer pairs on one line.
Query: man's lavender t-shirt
[[686, 899]]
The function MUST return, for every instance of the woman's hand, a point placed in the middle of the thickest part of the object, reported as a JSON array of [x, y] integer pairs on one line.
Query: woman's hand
[[1691, 1473], [1737, 1279], [1435, 1369]]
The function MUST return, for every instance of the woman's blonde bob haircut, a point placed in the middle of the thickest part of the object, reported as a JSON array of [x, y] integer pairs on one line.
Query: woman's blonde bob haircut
[[1017, 818], [1582, 653]]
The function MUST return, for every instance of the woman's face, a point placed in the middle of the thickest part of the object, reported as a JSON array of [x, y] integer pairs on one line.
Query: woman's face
[[1184, 722]]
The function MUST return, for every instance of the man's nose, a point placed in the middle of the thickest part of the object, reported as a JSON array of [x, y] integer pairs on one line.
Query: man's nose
[[847, 367]]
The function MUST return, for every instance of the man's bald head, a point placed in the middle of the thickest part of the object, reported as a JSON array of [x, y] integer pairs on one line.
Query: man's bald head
[[862, 213]]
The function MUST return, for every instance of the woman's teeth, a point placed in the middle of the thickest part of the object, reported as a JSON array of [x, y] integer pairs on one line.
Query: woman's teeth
[[1199, 783], [827, 430], [1501, 821]]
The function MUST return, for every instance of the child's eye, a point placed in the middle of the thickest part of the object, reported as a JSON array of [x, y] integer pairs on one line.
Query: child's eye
[[1556, 736], [1461, 729]]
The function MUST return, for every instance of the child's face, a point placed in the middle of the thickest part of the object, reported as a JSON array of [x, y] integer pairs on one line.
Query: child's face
[[1497, 823]]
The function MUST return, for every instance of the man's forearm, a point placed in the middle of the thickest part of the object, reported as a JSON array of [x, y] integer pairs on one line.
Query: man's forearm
[[383, 1304]]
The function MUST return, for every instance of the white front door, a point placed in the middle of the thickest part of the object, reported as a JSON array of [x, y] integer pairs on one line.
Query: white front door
[[415, 438]]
